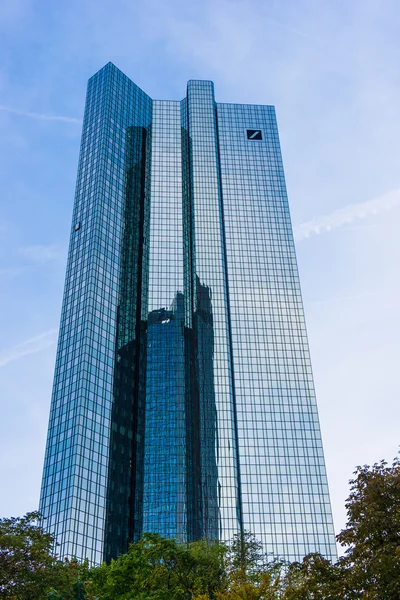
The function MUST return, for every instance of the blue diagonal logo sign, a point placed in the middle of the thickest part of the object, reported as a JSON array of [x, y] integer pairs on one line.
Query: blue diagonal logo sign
[[254, 134]]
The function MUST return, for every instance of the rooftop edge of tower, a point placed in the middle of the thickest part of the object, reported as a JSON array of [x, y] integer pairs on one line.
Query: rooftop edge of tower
[[109, 68], [200, 81], [191, 83]]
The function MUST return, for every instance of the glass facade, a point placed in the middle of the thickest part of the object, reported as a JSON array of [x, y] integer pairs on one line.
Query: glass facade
[[183, 398]]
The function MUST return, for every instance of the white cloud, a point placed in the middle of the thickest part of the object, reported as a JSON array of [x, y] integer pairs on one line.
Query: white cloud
[[39, 253], [348, 214], [33, 115], [31, 346], [11, 272]]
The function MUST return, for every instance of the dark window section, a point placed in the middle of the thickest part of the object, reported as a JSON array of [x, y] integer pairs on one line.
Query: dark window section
[[77, 225]]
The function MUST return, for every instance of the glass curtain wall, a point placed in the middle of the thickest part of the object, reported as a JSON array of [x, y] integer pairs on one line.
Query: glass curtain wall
[[76, 470], [183, 399], [285, 497]]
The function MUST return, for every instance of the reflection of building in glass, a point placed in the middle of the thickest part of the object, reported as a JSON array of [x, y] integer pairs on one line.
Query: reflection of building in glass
[[165, 501], [180, 469], [197, 418], [207, 413]]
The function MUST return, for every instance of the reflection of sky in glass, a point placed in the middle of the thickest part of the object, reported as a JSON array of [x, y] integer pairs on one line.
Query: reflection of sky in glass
[[285, 499], [166, 243], [74, 486]]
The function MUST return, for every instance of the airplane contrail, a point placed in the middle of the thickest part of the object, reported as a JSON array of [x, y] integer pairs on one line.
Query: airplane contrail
[[31, 346], [34, 115], [347, 214]]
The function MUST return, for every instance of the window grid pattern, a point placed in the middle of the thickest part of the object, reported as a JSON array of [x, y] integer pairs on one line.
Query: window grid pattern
[[164, 500], [183, 399], [210, 270], [285, 498], [74, 486]]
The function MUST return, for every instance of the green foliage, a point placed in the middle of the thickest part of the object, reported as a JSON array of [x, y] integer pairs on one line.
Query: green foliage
[[69, 580], [162, 569], [26, 561], [28, 568], [250, 575], [371, 565], [159, 569], [370, 569], [245, 558], [156, 568], [315, 578], [76, 591], [268, 588]]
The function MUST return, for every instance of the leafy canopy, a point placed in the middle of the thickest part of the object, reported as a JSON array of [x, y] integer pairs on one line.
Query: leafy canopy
[[160, 569], [28, 568]]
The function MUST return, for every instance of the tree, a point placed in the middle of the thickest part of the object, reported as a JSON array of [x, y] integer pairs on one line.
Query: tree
[[29, 570], [209, 575], [372, 535], [245, 559], [162, 569], [315, 578], [69, 580], [370, 568], [75, 592], [251, 576], [26, 559]]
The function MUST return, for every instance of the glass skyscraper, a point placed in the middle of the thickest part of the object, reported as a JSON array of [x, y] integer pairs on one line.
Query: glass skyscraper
[[183, 398]]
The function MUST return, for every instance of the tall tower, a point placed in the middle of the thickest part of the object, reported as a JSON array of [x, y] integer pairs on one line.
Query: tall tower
[[183, 399]]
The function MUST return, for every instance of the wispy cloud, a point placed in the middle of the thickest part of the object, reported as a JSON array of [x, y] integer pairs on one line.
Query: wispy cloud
[[346, 215], [11, 272], [39, 253], [31, 346], [287, 28], [346, 299], [34, 115]]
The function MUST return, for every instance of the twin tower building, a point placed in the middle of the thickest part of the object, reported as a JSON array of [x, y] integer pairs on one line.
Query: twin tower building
[[183, 400]]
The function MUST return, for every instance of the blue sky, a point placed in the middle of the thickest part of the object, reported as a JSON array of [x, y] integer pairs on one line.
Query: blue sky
[[331, 70]]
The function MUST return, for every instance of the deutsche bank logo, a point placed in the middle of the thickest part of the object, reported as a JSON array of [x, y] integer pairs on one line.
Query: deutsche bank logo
[[254, 134]]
